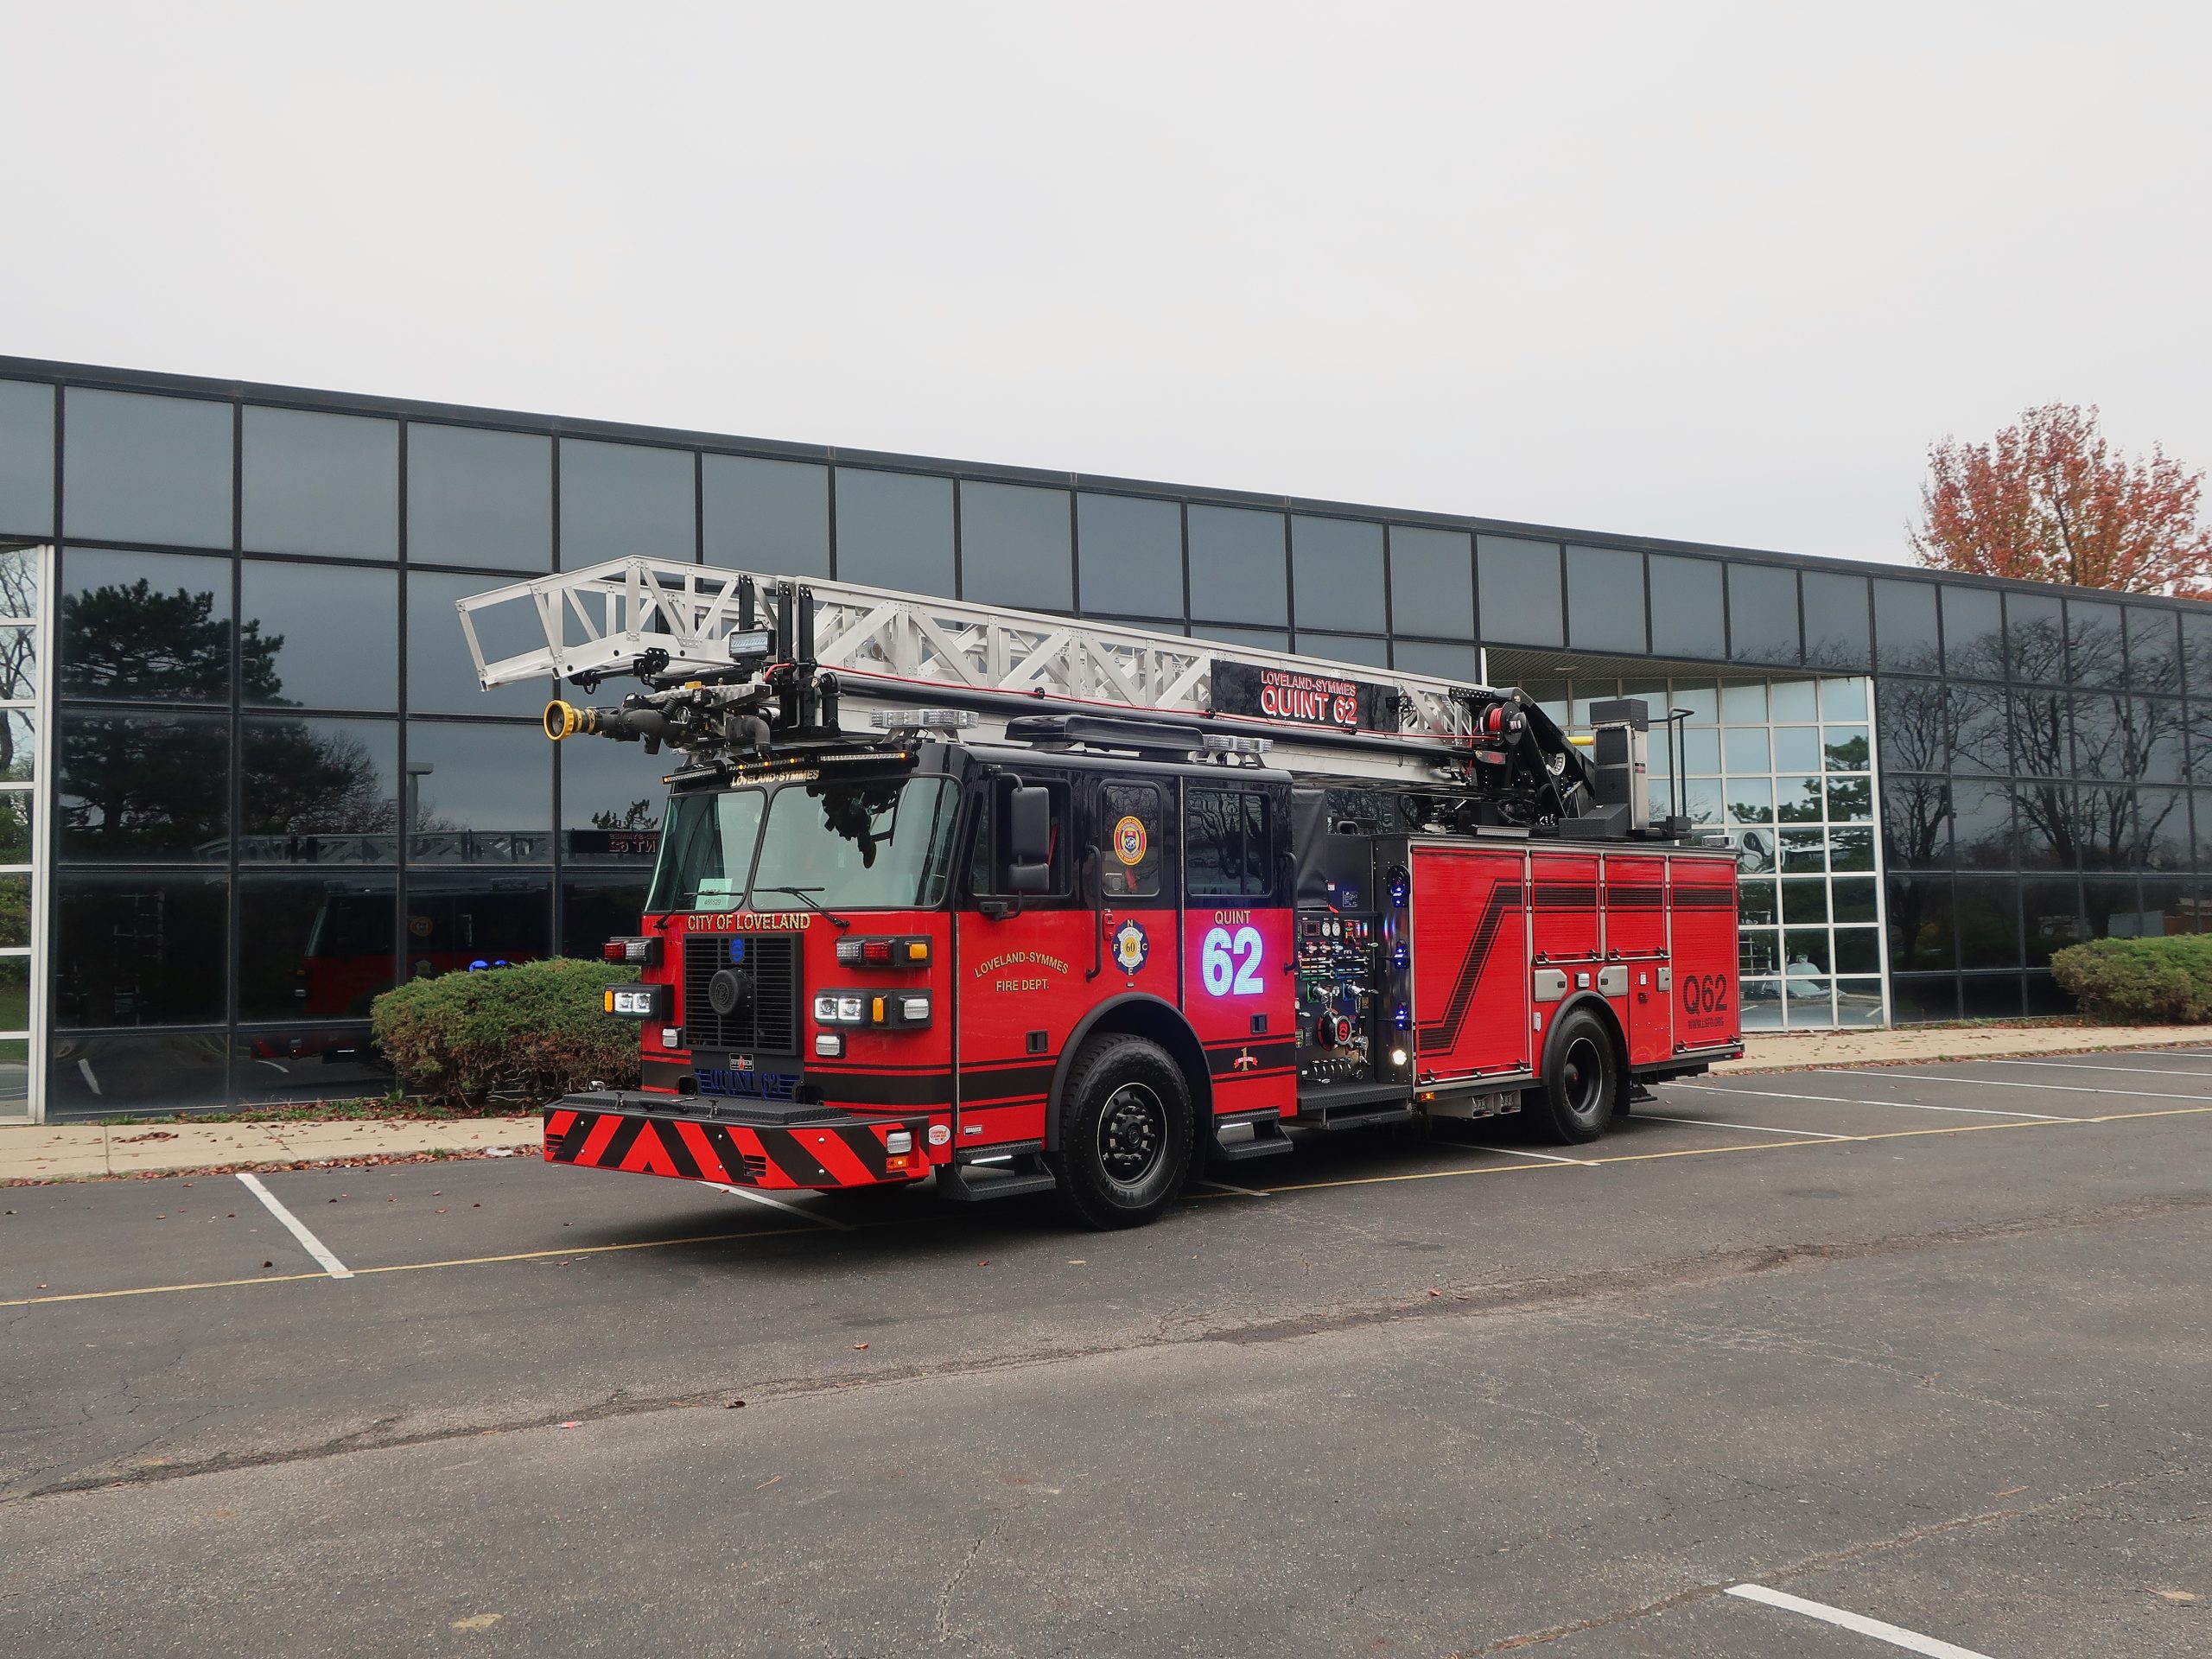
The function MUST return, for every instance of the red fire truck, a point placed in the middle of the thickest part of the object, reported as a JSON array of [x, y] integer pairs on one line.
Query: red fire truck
[[1109, 907]]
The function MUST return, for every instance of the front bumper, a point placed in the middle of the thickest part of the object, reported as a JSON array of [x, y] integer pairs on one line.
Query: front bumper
[[761, 1144]]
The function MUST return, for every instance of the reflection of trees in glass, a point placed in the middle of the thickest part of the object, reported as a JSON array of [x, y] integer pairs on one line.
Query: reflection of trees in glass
[[18, 646], [302, 782], [1807, 806], [1849, 755], [638, 815], [129, 641]]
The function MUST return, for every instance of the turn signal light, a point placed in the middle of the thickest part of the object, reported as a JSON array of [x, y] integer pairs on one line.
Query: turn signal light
[[883, 952]]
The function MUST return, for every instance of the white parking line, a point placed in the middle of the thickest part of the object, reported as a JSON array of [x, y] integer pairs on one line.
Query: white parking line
[[1241, 1191], [1844, 1100], [2060, 1088], [2125, 1070], [314, 1246], [1896, 1635], [1548, 1157], [1763, 1128], [816, 1217]]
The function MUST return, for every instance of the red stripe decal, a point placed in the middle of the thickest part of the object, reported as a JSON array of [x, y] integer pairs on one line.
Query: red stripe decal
[[702, 1152], [595, 1142]]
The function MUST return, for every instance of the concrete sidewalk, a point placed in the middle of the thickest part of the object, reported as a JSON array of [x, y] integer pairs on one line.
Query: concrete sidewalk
[[82, 1150]]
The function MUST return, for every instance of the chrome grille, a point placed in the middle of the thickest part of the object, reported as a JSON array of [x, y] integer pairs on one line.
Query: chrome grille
[[769, 1024]]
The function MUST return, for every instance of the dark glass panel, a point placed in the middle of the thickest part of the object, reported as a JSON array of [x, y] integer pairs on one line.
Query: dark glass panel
[[2045, 999], [479, 794], [1756, 903], [441, 678], [149, 625], [2112, 906], [611, 803], [2095, 652], [1922, 930], [1850, 800], [1851, 850], [2161, 838], [2108, 826], [2197, 721], [1973, 633], [1857, 951], [1260, 638], [476, 497], [2196, 652], [459, 919], [100, 1077], [1982, 827], [1805, 900], [1920, 1000], [1836, 626], [1013, 547], [1130, 551], [2153, 649], [1905, 626], [1605, 600], [16, 811], [2040, 734], [2036, 638], [1688, 618], [314, 947], [1762, 615], [771, 517], [2049, 821], [1987, 909], [1345, 648], [625, 500], [18, 662], [2174, 906], [1851, 897], [2155, 740], [1758, 950], [144, 786], [1913, 726], [139, 468], [596, 908], [1431, 582], [1804, 852], [2051, 916], [26, 458], [329, 635], [1518, 585], [1805, 951], [1336, 572], [1917, 822], [1989, 997], [18, 745], [1447, 662], [140, 950], [318, 791], [340, 1063], [1237, 565], [894, 529], [15, 923], [2200, 811], [1979, 734], [316, 483]]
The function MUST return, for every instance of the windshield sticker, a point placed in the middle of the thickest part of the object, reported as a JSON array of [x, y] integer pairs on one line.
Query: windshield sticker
[[1129, 840], [1131, 947]]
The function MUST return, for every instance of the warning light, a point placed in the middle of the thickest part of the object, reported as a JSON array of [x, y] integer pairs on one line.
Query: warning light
[[1397, 1056], [737, 950], [1403, 1017]]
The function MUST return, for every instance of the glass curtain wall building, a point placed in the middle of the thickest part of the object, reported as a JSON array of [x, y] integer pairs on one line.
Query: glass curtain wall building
[[248, 780]]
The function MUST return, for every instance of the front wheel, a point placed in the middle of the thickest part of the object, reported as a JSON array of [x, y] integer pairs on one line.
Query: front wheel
[[1125, 1133], [1582, 1080]]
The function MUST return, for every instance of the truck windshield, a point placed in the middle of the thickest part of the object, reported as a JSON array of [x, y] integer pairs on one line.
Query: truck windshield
[[855, 846], [838, 845]]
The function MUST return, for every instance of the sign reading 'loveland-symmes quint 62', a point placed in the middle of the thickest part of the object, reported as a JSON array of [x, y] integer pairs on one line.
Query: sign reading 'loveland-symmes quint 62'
[[1329, 701]]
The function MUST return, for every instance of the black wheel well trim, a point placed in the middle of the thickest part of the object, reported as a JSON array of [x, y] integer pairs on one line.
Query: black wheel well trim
[[1607, 1017], [1168, 1022]]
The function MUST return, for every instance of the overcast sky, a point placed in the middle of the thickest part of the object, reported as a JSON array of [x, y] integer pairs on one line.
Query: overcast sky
[[1718, 272]]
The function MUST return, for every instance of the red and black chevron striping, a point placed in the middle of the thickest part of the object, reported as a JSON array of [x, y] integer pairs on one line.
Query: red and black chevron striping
[[700, 1149]]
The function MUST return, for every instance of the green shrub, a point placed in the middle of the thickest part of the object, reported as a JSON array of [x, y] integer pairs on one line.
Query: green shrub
[[2162, 982], [523, 1034]]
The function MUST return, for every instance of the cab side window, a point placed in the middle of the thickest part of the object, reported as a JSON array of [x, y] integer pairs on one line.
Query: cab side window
[[1129, 817], [983, 863], [1227, 844]]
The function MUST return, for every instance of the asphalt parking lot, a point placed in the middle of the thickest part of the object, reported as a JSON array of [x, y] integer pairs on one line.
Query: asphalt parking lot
[[1926, 1345]]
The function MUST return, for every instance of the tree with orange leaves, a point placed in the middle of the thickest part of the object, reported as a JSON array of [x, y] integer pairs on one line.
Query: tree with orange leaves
[[2048, 499]]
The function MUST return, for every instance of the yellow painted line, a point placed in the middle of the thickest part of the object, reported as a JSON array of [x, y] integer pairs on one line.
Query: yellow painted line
[[1301, 1186], [411, 1267]]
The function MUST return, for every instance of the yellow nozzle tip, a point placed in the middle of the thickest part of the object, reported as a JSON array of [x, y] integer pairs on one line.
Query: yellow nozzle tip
[[560, 719]]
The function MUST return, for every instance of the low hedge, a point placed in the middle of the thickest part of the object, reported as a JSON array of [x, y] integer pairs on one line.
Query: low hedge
[[2159, 982], [521, 1033]]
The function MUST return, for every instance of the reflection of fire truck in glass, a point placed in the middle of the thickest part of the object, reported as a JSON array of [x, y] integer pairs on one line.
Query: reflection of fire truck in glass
[[1114, 906]]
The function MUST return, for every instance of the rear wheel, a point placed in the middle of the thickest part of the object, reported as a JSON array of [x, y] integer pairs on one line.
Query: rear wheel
[[1125, 1133], [1582, 1080]]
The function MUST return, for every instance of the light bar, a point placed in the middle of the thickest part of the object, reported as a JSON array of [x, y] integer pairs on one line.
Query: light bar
[[917, 720], [1237, 743], [748, 644]]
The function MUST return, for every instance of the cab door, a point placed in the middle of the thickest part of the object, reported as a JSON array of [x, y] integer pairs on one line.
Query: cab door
[[1239, 991]]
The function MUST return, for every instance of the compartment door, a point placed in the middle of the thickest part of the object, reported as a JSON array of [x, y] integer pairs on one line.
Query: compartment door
[[1636, 941], [1470, 920]]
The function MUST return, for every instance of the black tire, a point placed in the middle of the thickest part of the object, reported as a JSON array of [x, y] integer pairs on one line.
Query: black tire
[[1125, 1133], [1582, 1080]]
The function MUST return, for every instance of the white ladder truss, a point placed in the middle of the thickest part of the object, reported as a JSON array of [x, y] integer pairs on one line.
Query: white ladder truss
[[886, 646]]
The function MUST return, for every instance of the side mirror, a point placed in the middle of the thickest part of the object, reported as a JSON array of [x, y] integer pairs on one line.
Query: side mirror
[[1028, 845]]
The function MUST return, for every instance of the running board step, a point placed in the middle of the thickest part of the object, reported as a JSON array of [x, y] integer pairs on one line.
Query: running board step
[[976, 1183], [1267, 1138]]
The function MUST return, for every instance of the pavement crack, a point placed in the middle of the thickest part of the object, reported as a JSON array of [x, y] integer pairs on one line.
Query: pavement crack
[[945, 1596]]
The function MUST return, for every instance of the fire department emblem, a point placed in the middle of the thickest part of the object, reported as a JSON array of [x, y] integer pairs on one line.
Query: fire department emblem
[[1129, 840], [1131, 947]]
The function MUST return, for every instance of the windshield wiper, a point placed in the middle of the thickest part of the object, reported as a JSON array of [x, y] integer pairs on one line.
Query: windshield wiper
[[806, 896]]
